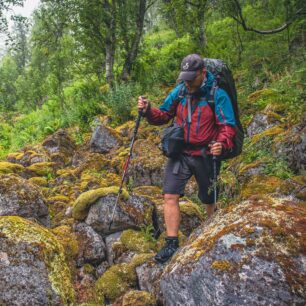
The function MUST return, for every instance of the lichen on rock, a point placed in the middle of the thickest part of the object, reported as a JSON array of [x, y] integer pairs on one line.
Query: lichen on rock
[[41, 276], [247, 246]]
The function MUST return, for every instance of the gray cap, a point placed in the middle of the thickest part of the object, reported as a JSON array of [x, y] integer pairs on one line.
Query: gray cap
[[189, 67]]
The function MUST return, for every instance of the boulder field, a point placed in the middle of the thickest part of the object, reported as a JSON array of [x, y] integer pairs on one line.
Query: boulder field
[[56, 203]]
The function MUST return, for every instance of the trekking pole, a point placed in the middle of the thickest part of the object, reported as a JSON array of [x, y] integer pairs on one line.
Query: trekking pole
[[215, 179], [126, 165]]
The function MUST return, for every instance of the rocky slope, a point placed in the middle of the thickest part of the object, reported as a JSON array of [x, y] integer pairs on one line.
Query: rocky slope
[[56, 201]]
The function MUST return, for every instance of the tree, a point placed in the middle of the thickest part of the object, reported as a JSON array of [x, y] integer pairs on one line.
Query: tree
[[293, 10]]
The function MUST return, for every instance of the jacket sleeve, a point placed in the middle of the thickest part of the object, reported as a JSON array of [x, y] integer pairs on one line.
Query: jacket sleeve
[[166, 111], [225, 119]]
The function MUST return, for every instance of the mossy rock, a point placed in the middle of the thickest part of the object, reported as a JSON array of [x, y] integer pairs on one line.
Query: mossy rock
[[7, 167], [42, 169], [68, 239], [232, 251], [261, 185], [137, 241], [120, 278], [273, 131], [83, 202], [35, 269], [138, 298], [15, 156], [20, 198], [39, 181]]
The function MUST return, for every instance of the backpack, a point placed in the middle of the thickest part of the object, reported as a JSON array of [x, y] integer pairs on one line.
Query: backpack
[[224, 79]]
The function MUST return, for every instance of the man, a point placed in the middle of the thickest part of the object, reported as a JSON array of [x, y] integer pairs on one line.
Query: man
[[210, 133]]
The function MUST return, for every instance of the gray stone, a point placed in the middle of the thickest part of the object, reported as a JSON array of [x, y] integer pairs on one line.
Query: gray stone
[[133, 213], [109, 242], [231, 260], [148, 276], [103, 140], [91, 245], [59, 142], [101, 269], [100, 214], [293, 148], [259, 124], [20, 198], [24, 276]]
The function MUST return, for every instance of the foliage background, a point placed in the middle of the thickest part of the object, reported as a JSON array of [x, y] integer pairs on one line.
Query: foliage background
[[54, 74]]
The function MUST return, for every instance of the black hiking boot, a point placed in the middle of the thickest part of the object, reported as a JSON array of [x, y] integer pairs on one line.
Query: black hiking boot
[[168, 250]]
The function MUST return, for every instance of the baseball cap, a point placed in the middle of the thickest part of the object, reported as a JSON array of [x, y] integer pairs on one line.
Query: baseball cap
[[189, 67]]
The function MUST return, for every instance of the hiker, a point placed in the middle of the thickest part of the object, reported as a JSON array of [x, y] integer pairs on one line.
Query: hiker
[[209, 133]]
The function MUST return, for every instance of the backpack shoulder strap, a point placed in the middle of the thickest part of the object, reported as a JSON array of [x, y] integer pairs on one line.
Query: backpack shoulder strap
[[211, 96]]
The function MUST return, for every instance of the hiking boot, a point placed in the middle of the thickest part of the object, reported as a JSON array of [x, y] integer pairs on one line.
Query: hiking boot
[[168, 250]]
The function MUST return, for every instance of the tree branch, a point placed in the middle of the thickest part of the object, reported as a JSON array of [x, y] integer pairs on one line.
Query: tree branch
[[240, 19]]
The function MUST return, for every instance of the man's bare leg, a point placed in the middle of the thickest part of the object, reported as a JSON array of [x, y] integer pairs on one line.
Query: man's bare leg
[[172, 214], [210, 209], [172, 220]]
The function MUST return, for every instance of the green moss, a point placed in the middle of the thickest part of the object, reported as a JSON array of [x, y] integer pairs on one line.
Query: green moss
[[136, 241], [120, 278], [6, 167], [39, 181], [273, 131], [190, 209], [115, 281], [84, 201], [89, 269], [22, 230], [261, 185], [15, 155], [68, 239], [42, 169], [138, 298]]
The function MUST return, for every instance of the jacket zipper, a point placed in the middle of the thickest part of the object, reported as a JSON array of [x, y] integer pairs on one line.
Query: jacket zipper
[[199, 119]]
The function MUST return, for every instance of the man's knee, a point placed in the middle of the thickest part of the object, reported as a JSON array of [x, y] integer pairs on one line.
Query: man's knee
[[171, 198]]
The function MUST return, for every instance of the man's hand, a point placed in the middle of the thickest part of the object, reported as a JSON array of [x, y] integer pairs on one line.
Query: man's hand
[[215, 148], [143, 104]]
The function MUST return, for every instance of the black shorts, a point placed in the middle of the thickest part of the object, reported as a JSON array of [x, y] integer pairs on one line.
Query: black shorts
[[178, 173]]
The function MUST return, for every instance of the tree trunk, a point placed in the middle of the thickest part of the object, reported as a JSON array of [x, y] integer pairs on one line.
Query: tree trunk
[[133, 50], [110, 40]]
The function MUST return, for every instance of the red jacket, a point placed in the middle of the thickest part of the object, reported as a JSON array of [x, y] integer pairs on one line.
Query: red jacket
[[206, 126]]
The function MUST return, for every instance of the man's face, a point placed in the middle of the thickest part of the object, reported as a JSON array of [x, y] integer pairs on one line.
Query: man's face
[[194, 85]]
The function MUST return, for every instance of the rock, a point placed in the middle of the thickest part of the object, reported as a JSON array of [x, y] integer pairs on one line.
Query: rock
[[251, 254], [148, 276], [59, 142], [28, 156], [147, 165], [101, 268], [33, 270], [136, 298], [134, 212], [92, 248], [110, 240], [88, 198], [104, 139], [292, 148], [260, 123], [20, 198]]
